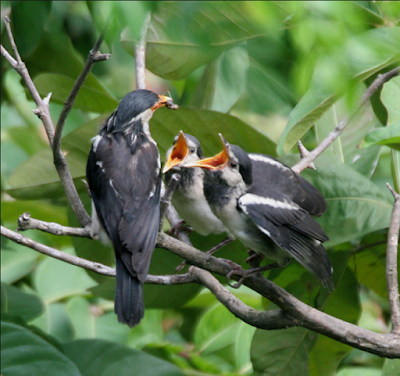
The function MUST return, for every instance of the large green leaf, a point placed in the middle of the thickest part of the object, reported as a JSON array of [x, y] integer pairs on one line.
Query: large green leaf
[[25, 353], [37, 177], [366, 54], [102, 358], [18, 303], [281, 352], [90, 98], [390, 95], [223, 81], [30, 29], [55, 280], [176, 47], [391, 367], [355, 206]]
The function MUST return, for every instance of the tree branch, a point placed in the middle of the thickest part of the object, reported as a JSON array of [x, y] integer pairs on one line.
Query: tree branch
[[387, 345], [391, 263], [42, 111], [90, 265], [140, 55], [270, 320], [312, 156], [26, 222]]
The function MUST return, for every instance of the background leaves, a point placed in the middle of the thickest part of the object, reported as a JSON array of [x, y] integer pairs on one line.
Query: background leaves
[[264, 74]]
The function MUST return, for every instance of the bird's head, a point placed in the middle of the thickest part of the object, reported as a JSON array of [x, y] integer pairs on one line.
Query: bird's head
[[232, 164], [185, 149], [140, 105]]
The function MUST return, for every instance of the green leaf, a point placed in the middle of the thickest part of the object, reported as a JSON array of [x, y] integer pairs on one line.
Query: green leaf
[[174, 32], [30, 29], [366, 54], [389, 136], [355, 206], [102, 358], [322, 362], [359, 371], [396, 169], [37, 178], [223, 81], [90, 98], [16, 262], [55, 280], [281, 352], [18, 303], [391, 367], [25, 353], [389, 96]]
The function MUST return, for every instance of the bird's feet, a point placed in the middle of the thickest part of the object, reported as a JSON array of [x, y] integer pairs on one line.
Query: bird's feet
[[219, 246], [254, 259], [179, 227], [238, 270]]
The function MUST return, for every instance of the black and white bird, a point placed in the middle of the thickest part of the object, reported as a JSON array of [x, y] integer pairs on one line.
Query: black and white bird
[[268, 207], [188, 198], [124, 177]]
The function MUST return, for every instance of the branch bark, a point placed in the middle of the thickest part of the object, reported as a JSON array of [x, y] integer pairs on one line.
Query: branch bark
[[391, 263], [313, 155], [140, 55]]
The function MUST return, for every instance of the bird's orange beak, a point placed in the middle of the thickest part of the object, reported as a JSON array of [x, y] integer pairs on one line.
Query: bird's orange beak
[[178, 154], [165, 101], [216, 162]]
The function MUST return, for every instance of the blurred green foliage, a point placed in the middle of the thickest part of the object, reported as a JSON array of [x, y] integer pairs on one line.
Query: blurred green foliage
[[264, 74]]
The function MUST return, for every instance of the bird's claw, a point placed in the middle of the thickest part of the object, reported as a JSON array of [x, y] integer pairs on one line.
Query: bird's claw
[[177, 228]]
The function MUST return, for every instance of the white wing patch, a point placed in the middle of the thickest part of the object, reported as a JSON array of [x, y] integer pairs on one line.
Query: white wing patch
[[114, 189], [265, 159], [251, 199], [96, 141]]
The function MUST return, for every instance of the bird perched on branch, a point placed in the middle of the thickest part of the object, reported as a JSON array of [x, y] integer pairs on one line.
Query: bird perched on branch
[[268, 207], [188, 198], [124, 177]]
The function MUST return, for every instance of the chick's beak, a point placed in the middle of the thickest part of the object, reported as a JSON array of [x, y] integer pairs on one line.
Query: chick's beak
[[178, 154], [165, 101], [216, 162]]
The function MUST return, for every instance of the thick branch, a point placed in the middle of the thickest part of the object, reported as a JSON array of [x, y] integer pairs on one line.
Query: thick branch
[[26, 222], [391, 263], [312, 156], [387, 345], [264, 320]]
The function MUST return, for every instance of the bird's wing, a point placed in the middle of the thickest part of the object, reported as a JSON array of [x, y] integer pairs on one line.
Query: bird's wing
[[126, 193], [270, 175], [292, 229]]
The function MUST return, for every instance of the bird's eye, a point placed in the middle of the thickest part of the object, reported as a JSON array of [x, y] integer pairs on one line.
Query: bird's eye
[[192, 150], [233, 164]]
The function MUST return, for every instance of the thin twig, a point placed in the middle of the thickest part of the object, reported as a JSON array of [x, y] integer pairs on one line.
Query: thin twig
[[391, 263], [42, 111], [90, 265], [26, 222], [312, 156], [140, 55], [167, 196]]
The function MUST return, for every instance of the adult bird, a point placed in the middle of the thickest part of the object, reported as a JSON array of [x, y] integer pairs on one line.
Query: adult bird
[[268, 207], [124, 177], [188, 198]]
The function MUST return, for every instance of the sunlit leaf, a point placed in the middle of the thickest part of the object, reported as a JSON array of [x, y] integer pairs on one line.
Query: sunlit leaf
[[199, 31], [103, 358], [367, 54], [389, 96], [25, 353]]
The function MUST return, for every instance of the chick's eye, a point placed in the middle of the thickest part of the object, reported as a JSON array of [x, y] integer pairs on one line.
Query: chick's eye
[[192, 150], [233, 164]]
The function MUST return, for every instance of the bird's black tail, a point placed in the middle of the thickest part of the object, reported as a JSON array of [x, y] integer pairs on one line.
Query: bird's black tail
[[129, 303]]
